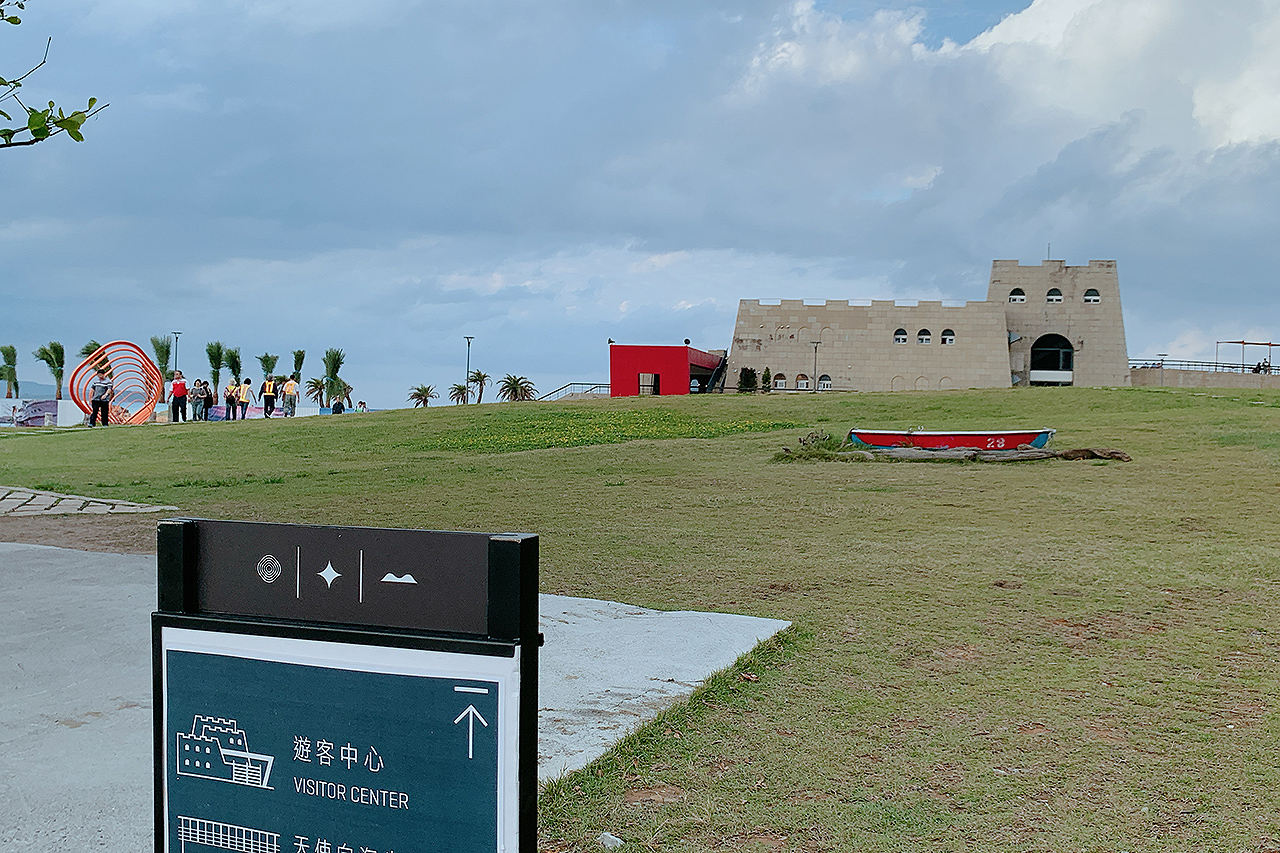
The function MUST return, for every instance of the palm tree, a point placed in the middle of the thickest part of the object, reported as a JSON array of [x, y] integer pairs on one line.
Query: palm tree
[[333, 360], [163, 348], [103, 364], [217, 354], [268, 362], [10, 370], [459, 393], [52, 354], [231, 358], [516, 389], [422, 395], [479, 379], [315, 391], [299, 356]]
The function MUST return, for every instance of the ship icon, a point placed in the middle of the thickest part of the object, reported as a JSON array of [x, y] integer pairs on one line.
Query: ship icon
[[218, 749]]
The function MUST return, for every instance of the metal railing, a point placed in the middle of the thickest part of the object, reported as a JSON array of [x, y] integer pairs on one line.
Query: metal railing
[[1210, 366], [576, 388]]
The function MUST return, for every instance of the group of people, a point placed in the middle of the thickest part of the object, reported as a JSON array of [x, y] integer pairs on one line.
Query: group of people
[[237, 396]]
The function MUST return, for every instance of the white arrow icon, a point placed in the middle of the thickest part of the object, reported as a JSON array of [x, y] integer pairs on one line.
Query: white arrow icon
[[472, 715]]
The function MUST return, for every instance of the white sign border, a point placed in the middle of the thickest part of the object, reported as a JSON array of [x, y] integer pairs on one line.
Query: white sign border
[[380, 659]]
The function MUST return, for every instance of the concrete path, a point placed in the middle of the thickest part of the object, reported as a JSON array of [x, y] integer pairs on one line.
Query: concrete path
[[75, 689], [24, 502]]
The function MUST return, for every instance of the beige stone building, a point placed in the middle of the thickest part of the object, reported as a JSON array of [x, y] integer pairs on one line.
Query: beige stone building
[[1041, 325]]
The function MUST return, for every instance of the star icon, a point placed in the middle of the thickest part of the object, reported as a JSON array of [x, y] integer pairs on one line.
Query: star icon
[[329, 574]]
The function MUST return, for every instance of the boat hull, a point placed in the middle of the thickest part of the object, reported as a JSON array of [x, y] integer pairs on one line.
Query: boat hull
[[941, 440]]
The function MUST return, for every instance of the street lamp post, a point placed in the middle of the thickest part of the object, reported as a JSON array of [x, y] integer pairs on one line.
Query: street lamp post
[[815, 365], [469, 338], [175, 351]]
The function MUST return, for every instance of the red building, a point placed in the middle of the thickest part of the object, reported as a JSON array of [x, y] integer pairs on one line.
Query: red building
[[636, 371]]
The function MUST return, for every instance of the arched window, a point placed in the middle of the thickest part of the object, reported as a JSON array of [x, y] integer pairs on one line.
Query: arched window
[[924, 336], [779, 380], [802, 382], [824, 382], [948, 337], [1017, 295], [1054, 295], [900, 336], [1092, 296]]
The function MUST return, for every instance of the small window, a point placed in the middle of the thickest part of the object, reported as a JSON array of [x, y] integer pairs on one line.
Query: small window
[[779, 380], [900, 336], [1017, 295], [802, 382], [824, 382], [1054, 295], [924, 336], [948, 337], [1092, 296]]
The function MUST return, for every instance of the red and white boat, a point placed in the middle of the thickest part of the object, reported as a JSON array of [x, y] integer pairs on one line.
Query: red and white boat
[[985, 439]]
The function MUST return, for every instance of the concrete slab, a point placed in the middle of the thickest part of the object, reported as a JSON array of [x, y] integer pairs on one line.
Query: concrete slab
[[608, 667], [75, 689]]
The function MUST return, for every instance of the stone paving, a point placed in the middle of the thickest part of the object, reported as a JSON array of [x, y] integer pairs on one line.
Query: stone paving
[[26, 502]]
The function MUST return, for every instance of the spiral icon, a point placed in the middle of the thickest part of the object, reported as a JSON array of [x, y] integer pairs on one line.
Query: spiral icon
[[269, 568]]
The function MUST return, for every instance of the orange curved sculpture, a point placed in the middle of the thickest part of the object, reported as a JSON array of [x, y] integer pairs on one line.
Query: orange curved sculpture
[[137, 381]]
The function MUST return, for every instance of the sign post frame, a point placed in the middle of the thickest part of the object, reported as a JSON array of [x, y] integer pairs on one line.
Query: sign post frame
[[196, 592]]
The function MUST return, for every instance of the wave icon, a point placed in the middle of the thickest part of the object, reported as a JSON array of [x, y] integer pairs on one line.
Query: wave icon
[[404, 578]]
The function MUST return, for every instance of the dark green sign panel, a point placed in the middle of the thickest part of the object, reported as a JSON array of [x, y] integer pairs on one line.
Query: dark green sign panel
[[320, 756]]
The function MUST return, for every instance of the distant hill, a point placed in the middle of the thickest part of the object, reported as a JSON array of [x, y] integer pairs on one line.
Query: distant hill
[[37, 390]]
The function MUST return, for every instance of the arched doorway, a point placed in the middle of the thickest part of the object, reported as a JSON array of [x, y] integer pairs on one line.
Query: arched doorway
[[1052, 361]]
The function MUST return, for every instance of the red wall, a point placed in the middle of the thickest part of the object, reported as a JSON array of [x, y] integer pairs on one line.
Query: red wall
[[626, 363]]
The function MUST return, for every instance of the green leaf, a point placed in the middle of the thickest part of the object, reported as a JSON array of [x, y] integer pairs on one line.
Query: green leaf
[[7, 134], [12, 20], [92, 101], [75, 134]]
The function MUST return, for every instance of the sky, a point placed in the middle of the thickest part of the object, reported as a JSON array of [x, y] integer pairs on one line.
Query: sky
[[390, 176]]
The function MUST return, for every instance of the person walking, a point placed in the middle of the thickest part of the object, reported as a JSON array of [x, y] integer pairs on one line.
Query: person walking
[[177, 398], [231, 395], [197, 400], [290, 397], [101, 392], [268, 395], [210, 399], [246, 397]]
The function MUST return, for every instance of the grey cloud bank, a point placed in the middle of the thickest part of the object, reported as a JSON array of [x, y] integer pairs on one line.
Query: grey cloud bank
[[385, 179]]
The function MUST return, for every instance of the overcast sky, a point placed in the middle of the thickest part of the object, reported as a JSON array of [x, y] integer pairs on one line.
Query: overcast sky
[[390, 175]]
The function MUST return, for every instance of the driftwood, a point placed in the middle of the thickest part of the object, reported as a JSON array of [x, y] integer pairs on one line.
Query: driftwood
[[1015, 455], [1025, 454], [919, 454], [1095, 453]]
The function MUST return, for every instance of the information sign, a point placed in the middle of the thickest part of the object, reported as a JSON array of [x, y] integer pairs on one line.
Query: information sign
[[287, 734]]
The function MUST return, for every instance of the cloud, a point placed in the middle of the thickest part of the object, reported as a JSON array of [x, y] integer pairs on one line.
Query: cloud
[[386, 177]]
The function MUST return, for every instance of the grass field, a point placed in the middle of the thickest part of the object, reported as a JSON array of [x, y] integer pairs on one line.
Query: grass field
[[1047, 656]]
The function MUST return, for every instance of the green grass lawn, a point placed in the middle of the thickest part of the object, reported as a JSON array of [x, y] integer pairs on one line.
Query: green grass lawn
[[1006, 657]]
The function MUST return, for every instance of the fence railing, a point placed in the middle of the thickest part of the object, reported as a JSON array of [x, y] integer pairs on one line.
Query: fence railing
[[576, 388], [1211, 366]]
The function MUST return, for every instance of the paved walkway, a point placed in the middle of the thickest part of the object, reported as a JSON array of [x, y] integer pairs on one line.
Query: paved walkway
[[76, 734], [23, 502]]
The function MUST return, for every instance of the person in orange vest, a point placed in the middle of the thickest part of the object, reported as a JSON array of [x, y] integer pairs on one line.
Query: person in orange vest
[[230, 395], [268, 394], [246, 397], [290, 397]]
